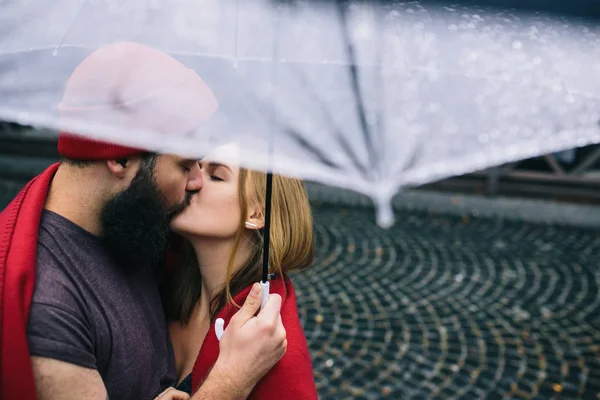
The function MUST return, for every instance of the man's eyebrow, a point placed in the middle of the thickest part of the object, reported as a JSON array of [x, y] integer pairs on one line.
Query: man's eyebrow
[[186, 161]]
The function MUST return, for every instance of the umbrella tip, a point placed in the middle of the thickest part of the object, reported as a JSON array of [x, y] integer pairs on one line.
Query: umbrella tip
[[384, 211], [385, 216]]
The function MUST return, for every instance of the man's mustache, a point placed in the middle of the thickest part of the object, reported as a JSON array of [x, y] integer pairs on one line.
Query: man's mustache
[[181, 206]]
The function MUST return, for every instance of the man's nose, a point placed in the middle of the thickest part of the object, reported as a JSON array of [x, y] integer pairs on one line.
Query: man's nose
[[195, 180]]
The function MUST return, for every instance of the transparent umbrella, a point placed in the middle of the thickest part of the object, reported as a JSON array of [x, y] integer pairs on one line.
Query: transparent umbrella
[[369, 96]]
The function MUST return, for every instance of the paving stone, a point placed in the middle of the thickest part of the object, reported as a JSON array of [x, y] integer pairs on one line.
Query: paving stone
[[513, 311]]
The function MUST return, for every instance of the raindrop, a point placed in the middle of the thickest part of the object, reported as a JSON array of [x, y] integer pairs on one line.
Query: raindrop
[[435, 107], [362, 31], [393, 14]]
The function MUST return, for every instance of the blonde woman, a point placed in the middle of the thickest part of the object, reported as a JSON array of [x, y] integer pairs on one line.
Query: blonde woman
[[220, 261]]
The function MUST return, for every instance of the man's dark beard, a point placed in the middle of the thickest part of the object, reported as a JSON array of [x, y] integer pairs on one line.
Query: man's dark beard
[[136, 222]]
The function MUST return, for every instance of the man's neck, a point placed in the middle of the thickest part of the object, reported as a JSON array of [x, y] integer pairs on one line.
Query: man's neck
[[72, 196]]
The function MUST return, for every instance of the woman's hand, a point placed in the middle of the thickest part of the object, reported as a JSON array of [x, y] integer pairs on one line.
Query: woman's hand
[[172, 394]]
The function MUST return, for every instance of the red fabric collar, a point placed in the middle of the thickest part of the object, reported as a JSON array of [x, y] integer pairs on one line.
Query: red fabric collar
[[292, 377], [19, 225]]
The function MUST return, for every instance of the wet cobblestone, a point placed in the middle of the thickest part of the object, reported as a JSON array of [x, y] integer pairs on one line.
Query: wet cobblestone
[[451, 307]]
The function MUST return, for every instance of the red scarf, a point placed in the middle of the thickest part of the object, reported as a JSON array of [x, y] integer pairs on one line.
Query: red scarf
[[19, 225], [292, 377]]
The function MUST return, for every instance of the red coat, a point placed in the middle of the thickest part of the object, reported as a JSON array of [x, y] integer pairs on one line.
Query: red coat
[[19, 224], [292, 377]]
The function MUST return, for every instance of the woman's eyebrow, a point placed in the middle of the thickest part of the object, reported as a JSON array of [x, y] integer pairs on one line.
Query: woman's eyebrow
[[217, 164]]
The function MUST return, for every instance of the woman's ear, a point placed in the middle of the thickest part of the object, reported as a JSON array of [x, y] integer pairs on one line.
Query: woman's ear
[[255, 220]]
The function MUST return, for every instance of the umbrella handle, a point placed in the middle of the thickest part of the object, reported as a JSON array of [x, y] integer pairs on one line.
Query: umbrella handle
[[265, 292], [220, 323]]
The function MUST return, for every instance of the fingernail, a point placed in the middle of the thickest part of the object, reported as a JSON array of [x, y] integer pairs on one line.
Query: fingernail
[[255, 289]]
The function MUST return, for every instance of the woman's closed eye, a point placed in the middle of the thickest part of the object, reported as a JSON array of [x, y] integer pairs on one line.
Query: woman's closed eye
[[215, 171]]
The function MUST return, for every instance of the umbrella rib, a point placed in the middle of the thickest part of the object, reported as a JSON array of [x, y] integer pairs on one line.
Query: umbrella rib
[[321, 156], [380, 102], [297, 136], [64, 37], [332, 124], [360, 105]]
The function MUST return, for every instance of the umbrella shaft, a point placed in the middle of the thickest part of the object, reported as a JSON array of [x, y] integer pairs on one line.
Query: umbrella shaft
[[267, 233]]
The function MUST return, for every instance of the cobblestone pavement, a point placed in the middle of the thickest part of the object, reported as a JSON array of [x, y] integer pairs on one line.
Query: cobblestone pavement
[[451, 307]]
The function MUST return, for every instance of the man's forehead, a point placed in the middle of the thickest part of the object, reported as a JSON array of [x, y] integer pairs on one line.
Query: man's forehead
[[178, 159]]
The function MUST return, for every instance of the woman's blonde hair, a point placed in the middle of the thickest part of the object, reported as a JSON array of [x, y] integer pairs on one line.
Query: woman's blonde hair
[[291, 245]]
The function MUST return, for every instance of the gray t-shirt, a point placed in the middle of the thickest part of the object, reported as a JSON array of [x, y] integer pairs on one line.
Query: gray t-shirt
[[88, 311]]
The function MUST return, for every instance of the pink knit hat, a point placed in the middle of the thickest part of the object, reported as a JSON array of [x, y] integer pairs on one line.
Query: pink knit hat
[[130, 86]]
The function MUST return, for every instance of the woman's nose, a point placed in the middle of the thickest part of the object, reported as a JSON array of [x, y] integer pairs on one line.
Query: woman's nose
[[195, 180]]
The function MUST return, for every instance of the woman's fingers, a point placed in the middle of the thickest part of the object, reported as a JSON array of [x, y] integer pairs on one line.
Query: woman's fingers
[[172, 394]]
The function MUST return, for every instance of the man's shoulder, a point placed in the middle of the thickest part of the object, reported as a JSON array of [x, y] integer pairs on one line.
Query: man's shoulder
[[55, 284], [64, 246], [60, 269]]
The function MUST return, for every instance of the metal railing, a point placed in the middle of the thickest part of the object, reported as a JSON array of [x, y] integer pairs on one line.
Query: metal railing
[[548, 176]]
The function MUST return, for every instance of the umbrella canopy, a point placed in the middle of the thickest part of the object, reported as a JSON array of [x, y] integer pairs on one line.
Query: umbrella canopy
[[370, 96]]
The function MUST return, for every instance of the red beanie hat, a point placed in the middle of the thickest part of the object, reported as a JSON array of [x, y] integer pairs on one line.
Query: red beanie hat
[[130, 87]]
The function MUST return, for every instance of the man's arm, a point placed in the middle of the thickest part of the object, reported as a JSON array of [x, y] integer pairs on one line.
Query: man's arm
[[59, 380], [250, 347]]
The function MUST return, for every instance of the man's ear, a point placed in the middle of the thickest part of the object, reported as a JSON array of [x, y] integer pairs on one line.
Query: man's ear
[[118, 167]]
